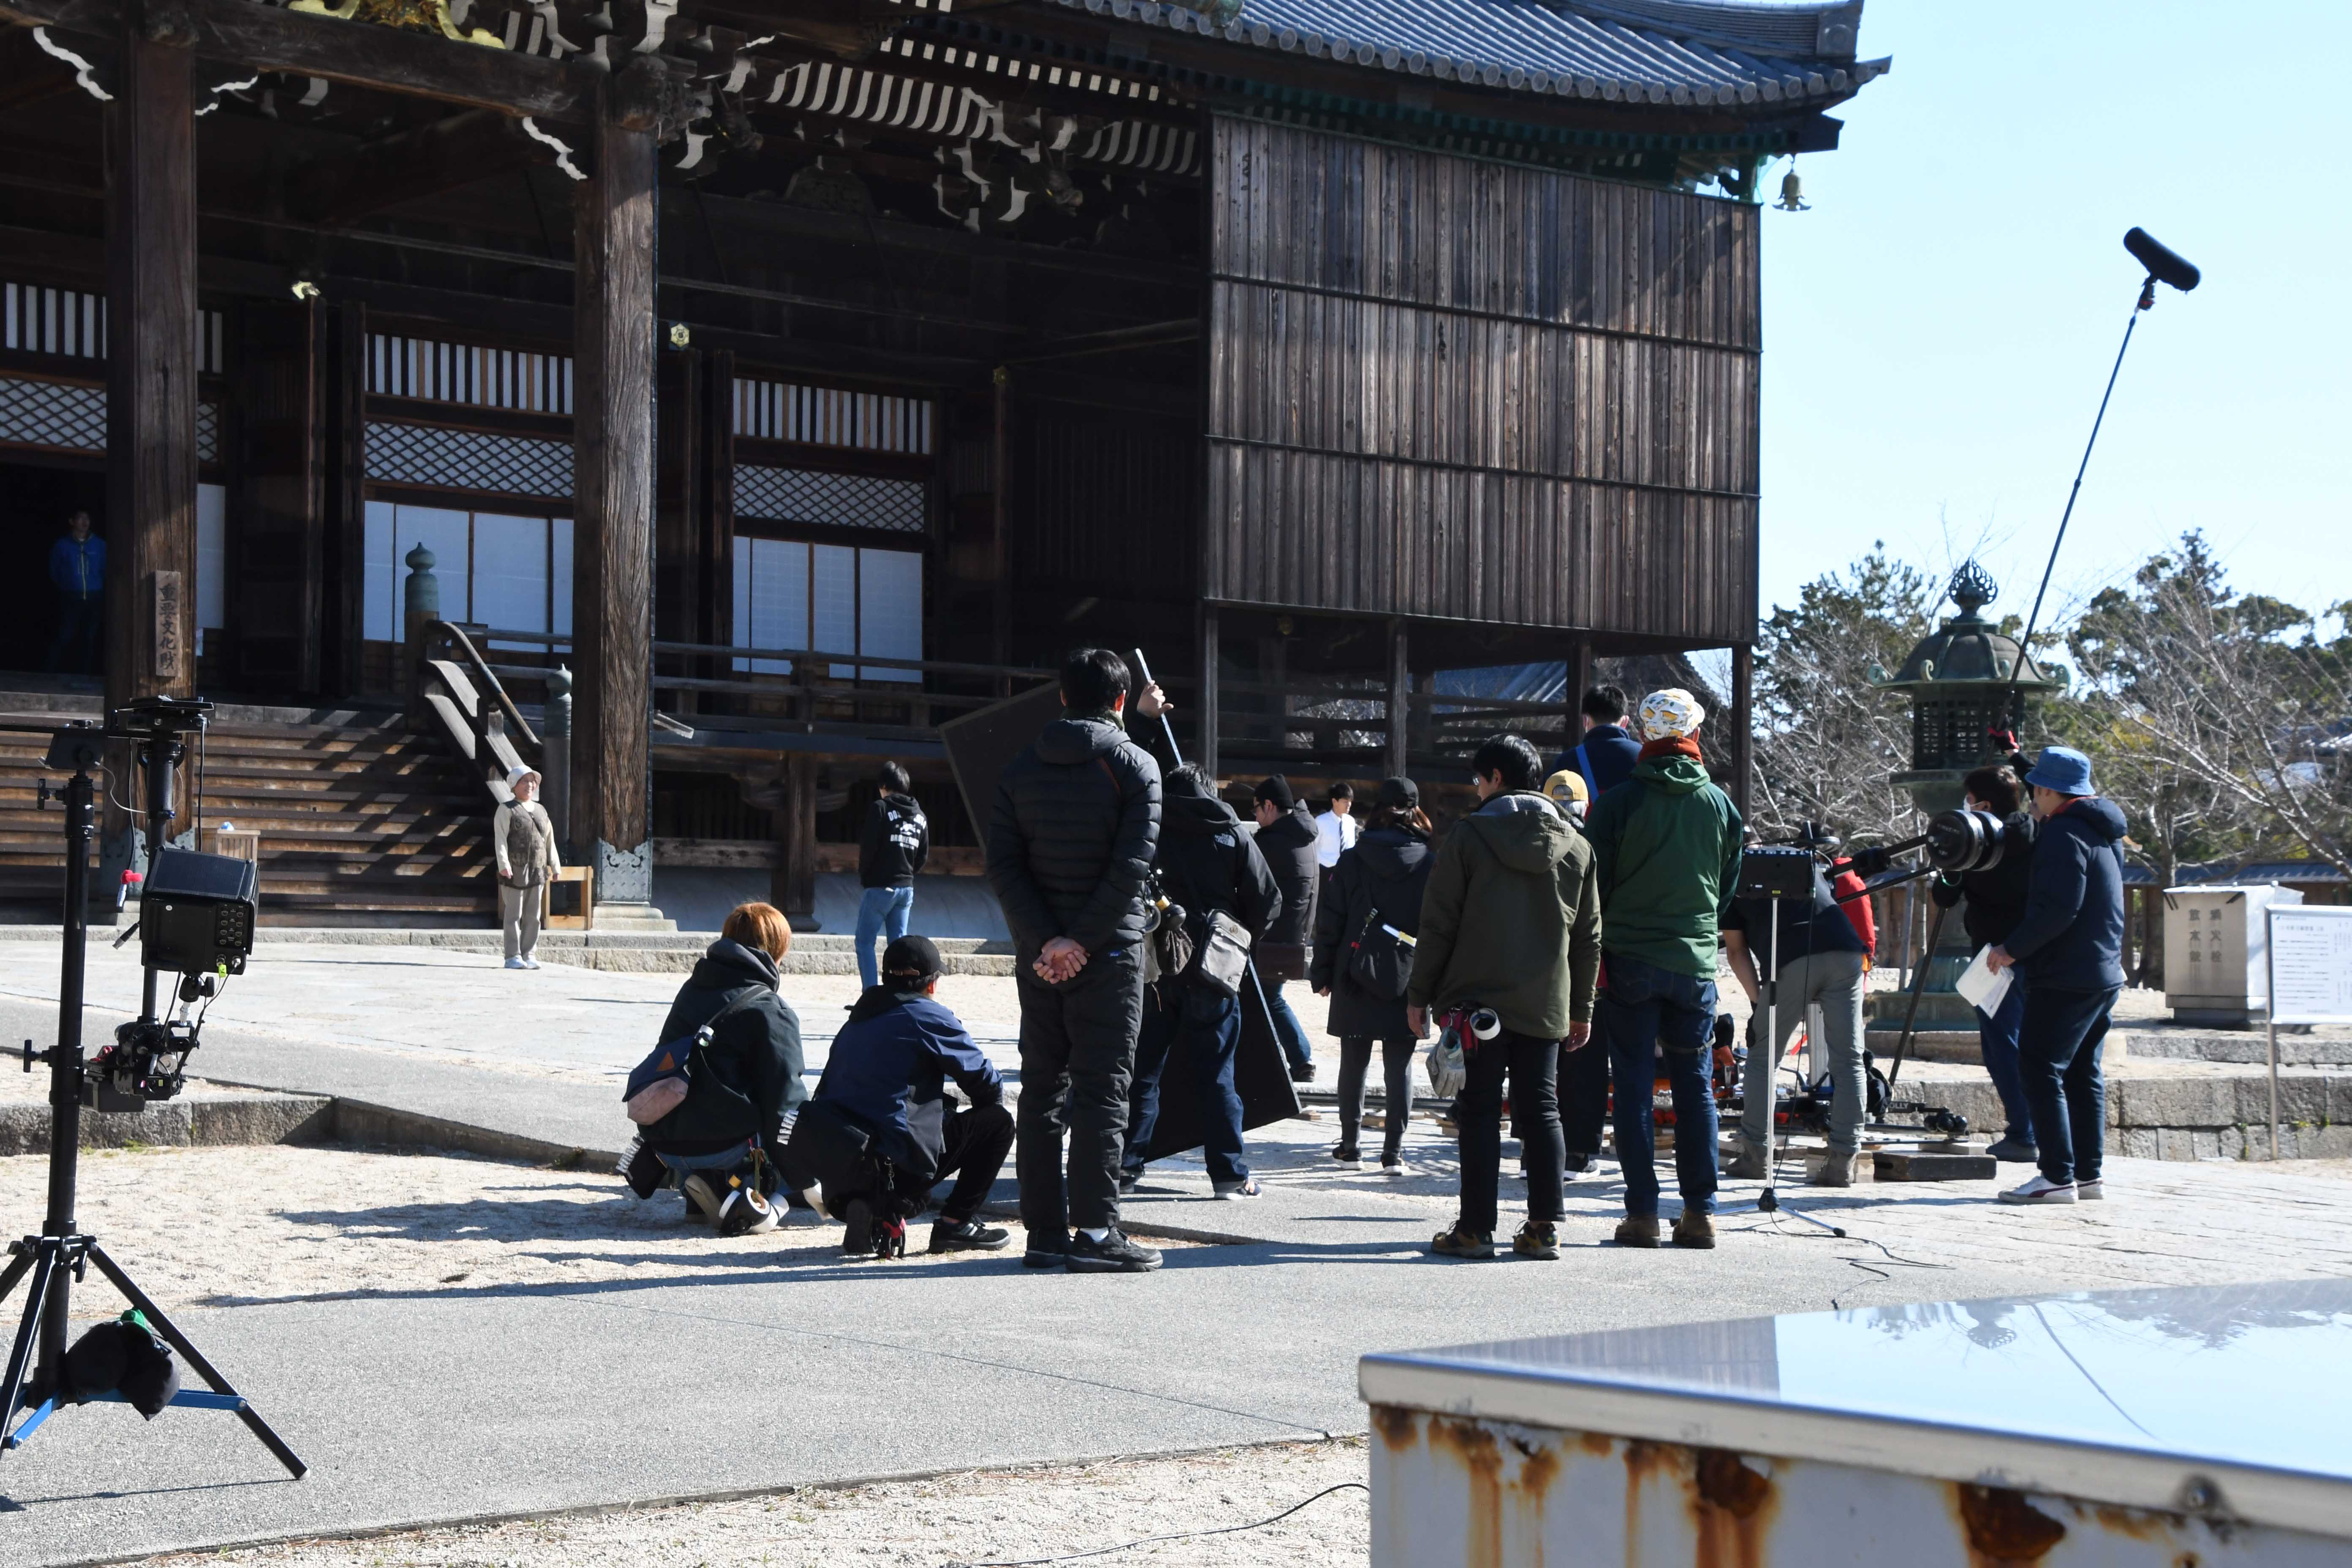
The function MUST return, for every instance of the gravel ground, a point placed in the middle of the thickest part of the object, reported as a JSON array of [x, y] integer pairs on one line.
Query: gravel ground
[[290, 1223], [976, 1518]]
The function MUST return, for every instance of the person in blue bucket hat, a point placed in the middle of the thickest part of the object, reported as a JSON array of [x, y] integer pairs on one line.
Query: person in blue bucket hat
[[2069, 955]]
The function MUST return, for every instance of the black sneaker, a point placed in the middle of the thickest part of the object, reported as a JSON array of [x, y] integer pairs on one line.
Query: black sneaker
[[1045, 1251], [967, 1236], [858, 1236], [1578, 1164], [1129, 1181], [1114, 1254], [1303, 1073]]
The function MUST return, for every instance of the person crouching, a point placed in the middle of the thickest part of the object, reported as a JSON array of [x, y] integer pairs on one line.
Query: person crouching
[[887, 1074]]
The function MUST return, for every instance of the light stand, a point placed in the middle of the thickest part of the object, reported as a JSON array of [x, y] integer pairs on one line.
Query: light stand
[[35, 1381]]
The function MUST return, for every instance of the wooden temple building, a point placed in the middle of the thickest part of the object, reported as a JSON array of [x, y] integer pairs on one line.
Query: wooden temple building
[[794, 375]]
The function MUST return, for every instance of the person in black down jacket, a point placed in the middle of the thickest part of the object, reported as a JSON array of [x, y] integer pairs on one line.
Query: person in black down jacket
[[891, 848], [754, 1054], [1286, 840], [1996, 902], [2069, 951], [1208, 865], [1070, 842], [1380, 880]]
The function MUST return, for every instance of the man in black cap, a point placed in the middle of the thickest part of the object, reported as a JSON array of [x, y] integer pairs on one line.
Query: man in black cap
[[887, 1074], [1287, 840]]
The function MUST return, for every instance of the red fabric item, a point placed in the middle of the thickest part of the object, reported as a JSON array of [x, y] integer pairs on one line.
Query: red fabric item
[[1680, 746], [1857, 910]]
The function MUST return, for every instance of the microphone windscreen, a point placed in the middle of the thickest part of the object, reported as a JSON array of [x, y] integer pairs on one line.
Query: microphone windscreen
[[2161, 263]]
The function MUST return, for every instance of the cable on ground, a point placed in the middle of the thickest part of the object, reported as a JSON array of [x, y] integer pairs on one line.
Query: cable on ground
[[1157, 1539]]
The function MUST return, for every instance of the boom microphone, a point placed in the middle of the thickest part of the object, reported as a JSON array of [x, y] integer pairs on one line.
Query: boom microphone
[[2162, 264]]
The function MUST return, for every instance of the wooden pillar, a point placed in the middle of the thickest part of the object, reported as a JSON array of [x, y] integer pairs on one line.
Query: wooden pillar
[[1206, 745], [1400, 698], [150, 525], [792, 886], [1580, 681], [275, 524], [613, 329], [1743, 725], [343, 567]]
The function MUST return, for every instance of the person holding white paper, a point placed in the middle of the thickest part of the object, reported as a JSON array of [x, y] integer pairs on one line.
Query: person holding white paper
[[1996, 902]]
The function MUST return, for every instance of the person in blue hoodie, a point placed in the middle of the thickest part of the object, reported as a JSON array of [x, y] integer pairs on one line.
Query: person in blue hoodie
[[2068, 950], [78, 572], [887, 1073]]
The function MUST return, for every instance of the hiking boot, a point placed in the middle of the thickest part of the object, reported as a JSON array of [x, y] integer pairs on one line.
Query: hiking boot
[[1114, 1254], [967, 1236], [1694, 1229], [1348, 1159], [1749, 1163], [2041, 1190], [1460, 1243], [1638, 1230], [701, 1198], [857, 1235], [1046, 1251], [2014, 1151], [1837, 1170], [1535, 1240]]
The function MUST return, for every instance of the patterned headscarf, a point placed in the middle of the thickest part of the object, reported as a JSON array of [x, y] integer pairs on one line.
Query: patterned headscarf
[[1671, 715]]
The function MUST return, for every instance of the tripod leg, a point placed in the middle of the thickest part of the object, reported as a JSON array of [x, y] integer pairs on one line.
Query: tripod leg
[[28, 1330], [14, 1272], [195, 1360]]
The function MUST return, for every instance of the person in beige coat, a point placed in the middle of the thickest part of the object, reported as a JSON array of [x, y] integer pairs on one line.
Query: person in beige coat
[[525, 841]]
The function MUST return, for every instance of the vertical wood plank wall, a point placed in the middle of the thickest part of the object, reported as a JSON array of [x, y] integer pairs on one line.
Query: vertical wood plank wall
[[1442, 388]]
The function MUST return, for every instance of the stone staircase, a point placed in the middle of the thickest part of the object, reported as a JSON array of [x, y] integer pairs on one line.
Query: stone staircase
[[363, 820]]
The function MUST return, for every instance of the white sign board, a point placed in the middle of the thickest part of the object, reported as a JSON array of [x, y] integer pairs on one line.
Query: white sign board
[[2311, 963]]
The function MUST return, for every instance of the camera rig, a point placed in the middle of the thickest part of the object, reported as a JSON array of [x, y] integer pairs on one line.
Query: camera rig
[[197, 914]]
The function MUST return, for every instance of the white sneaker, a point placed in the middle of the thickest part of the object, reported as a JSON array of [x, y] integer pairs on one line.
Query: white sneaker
[[2091, 1192], [2040, 1190], [517, 963], [530, 964]]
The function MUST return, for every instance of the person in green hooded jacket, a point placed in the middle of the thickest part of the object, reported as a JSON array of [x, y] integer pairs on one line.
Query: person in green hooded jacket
[[1667, 845], [1511, 921]]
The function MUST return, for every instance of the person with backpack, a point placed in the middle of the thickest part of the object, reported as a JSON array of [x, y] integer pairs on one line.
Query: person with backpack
[[891, 848], [1605, 758], [1666, 847], [887, 1074], [1213, 871], [1364, 938], [1510, 926], [731, 1098]]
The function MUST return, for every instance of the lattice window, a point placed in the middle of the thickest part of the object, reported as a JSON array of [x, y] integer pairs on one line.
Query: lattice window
[[69, 321], [208, 432], [468, 373], [823, 417], [468, 460], [47, 414], [840, 500]]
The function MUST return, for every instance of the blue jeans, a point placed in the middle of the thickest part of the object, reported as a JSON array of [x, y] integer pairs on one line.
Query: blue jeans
[[880, 910], [1996, 1039], [1287, 1029], [1647, 1010], [1212, 1024], [2058, 1053]]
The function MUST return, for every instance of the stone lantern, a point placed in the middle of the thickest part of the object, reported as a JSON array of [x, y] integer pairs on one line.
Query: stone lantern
[[1964, 684]]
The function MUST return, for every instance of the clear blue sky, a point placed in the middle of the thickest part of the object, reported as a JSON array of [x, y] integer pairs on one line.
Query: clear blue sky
[[1938, 326]]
